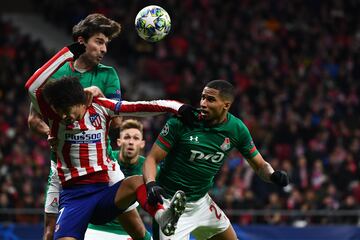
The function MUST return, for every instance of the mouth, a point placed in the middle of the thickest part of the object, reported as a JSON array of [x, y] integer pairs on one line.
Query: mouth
[[130, 150], [203, 112]]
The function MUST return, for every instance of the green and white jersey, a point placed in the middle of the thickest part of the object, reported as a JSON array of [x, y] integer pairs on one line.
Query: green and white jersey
[[128, 170], [196, 154], [102, 76]]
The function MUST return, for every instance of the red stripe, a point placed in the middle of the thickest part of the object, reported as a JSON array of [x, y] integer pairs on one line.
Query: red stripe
[[99, 154], [46, 66], [162, 140], [252, 150], [67, 160], [105, 103], [145, 108], [84, 149]]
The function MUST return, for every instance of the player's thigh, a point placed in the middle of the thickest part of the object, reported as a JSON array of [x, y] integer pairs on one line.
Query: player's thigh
[[77, 207], [228, 234], [132, 223], [212, 220], [92, 234], [126, 194]]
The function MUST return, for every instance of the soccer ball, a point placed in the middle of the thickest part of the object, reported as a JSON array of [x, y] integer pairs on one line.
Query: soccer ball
[[152, 23]]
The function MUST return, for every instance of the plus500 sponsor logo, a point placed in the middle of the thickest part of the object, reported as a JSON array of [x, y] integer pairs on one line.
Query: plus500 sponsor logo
[[83, 138], [213, 157]]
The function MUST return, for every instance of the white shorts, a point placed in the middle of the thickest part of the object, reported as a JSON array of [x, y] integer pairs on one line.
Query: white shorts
[[202, 218], [52, 191], [92, 234]]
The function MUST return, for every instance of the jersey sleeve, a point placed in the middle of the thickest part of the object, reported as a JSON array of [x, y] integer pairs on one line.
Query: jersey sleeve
[[137, 109], [169, 134], [245, 142], [112, 86], [39, 78]]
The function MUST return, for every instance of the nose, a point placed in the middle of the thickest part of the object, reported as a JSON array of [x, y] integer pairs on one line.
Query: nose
[[103, 48], [203, 103]]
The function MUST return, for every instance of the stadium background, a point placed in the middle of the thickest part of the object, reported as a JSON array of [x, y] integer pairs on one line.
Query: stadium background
[[295, 65]]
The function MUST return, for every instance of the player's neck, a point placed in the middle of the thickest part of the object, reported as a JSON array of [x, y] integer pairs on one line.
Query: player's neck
[[82, 65], [128, 161], [218, 121]]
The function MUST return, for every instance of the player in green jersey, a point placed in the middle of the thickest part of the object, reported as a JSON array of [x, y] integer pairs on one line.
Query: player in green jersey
[[131, 143], [191, 158], [95, 31]]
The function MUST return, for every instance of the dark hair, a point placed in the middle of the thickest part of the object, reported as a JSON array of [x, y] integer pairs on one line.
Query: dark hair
[[64, 92], [131, 123], [96, 23], [226, 89]]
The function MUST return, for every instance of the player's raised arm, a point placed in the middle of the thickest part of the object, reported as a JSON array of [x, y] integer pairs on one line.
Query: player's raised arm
[[43, 73], [148, 108]]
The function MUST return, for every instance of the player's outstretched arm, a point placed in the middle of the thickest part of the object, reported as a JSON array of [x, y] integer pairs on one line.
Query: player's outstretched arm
[[43, 73], [154, 192], [265, 171]]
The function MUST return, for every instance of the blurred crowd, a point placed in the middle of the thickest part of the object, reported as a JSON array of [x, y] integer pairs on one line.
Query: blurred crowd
[[296, 69]]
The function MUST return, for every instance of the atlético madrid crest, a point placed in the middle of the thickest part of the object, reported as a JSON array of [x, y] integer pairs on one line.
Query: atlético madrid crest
[[226, 144], [95, 120]]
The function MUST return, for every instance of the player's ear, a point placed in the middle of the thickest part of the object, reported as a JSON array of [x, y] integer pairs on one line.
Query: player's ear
[[118, 142], [142, 145], [227, 105], [81, 40]]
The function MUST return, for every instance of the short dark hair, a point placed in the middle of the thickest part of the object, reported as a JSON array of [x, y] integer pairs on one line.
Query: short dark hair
[[96, 23], [64, 92], [226, 89]]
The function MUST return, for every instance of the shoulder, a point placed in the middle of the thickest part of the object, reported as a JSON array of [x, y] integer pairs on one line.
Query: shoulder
[[141, 160], [235, 121], [63, 70], [174, 122], [105, 68]]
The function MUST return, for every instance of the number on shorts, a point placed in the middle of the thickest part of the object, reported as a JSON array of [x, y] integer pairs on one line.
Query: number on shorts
[[60, 213], [213, 207]]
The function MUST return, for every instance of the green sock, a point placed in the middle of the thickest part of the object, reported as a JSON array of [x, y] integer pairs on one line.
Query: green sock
[[146, 237]]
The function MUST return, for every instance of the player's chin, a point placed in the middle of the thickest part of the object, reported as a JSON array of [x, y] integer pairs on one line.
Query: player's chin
[[204, 115]]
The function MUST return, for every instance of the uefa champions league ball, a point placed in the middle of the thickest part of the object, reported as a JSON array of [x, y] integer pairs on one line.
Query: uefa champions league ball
[[152, 23]]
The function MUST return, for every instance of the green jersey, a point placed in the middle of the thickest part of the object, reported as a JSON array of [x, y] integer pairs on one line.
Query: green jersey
[[104, 77], [128, 170], [196, 154]]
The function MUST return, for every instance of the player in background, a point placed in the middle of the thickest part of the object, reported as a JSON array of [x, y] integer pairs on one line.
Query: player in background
[[192, 157], [131, 143], [95, 32], [83, 163]]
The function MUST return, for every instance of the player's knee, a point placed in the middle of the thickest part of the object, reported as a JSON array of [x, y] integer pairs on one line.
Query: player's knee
[[48, 235]]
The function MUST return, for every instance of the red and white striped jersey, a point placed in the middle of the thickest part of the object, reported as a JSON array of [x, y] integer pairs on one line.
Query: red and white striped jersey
[[81, 150]]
